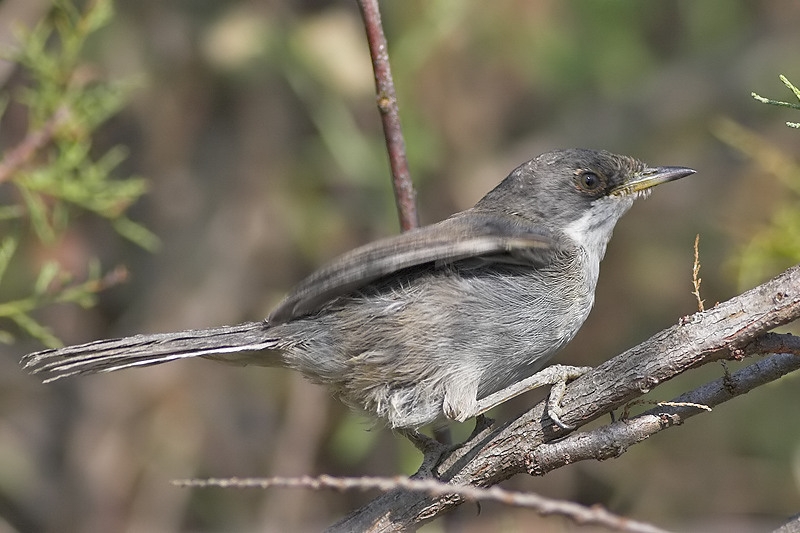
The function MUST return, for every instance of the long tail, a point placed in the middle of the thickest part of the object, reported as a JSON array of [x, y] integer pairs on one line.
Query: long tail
[[143, 350]]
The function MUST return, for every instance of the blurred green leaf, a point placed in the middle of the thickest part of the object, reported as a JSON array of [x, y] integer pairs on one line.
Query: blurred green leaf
[[350, 442], [36, 330], [7, 248], [6, 337], [47, 274], [137, 233], [10, 212]]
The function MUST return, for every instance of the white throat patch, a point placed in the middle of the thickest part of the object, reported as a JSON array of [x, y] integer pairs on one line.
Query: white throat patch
[[593, 230]]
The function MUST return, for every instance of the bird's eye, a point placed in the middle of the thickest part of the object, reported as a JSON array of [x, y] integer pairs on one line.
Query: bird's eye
[[588, 181]]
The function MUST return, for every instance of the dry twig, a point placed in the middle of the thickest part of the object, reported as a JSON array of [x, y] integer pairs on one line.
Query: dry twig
[[546, 506], [696, 274]]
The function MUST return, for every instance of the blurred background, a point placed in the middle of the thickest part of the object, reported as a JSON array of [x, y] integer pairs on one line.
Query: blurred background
[[256, 127]]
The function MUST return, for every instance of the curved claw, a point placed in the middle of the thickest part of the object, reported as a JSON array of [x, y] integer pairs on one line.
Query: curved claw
[[555, 418]]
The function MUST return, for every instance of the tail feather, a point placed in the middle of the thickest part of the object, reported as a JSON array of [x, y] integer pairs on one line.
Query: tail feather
[[144, 350]]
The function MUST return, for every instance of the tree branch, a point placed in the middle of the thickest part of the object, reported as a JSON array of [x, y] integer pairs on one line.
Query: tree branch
[[732, 329], [21, 154], [390, 115], [613, 440]]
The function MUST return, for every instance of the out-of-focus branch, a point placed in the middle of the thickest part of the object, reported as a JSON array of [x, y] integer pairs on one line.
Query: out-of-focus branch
[[405, 196], [22, 153], [547, 506]]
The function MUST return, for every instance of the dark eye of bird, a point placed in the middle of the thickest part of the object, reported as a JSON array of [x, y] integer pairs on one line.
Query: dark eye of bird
[[589, 181]]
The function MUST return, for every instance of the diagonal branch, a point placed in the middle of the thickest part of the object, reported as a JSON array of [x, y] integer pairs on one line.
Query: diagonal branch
[[613, 440], [732, 329], [21, 154]]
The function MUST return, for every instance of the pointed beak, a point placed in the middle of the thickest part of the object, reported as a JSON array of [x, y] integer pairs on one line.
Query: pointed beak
[[650, 177]]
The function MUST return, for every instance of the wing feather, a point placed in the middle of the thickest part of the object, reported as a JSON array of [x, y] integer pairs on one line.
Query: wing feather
[[491, 237]]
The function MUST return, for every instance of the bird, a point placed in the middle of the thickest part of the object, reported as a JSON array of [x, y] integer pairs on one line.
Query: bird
[[440, 323]]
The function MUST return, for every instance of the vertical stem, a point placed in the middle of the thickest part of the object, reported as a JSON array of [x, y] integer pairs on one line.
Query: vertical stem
[[390, 115]]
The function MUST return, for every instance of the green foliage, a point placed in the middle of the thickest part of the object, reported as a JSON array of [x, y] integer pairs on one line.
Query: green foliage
[[55, 167], [67, 105], [776, 246], [779, 103], [52, 285]]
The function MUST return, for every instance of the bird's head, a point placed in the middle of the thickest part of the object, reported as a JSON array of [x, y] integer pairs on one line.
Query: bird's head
[[578, 193]]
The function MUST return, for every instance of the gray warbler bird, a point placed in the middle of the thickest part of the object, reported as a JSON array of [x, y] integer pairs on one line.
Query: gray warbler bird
[[442, 322]]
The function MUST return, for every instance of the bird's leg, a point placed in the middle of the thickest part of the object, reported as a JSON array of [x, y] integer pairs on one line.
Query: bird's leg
[[443, 435], [556, 375], [482, 422], [432, 451]]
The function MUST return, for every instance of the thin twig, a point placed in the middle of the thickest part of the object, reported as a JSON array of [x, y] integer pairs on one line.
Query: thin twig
[[22, 153], [390, 115], [684, 404], [112, 278], [779, 103], [545, 506], [627, 407], [696, 274]]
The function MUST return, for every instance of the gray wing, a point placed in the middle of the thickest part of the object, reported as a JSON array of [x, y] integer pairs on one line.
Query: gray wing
[[496, 238]]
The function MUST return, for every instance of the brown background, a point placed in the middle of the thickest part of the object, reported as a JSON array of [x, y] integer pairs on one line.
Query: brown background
[[257, 128]]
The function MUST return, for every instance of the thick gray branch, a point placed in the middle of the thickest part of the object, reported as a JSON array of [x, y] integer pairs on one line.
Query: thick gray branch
[[494, 454], [614, 439]]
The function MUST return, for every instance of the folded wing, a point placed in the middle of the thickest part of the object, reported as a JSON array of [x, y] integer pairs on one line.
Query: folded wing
[[492, 237]]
